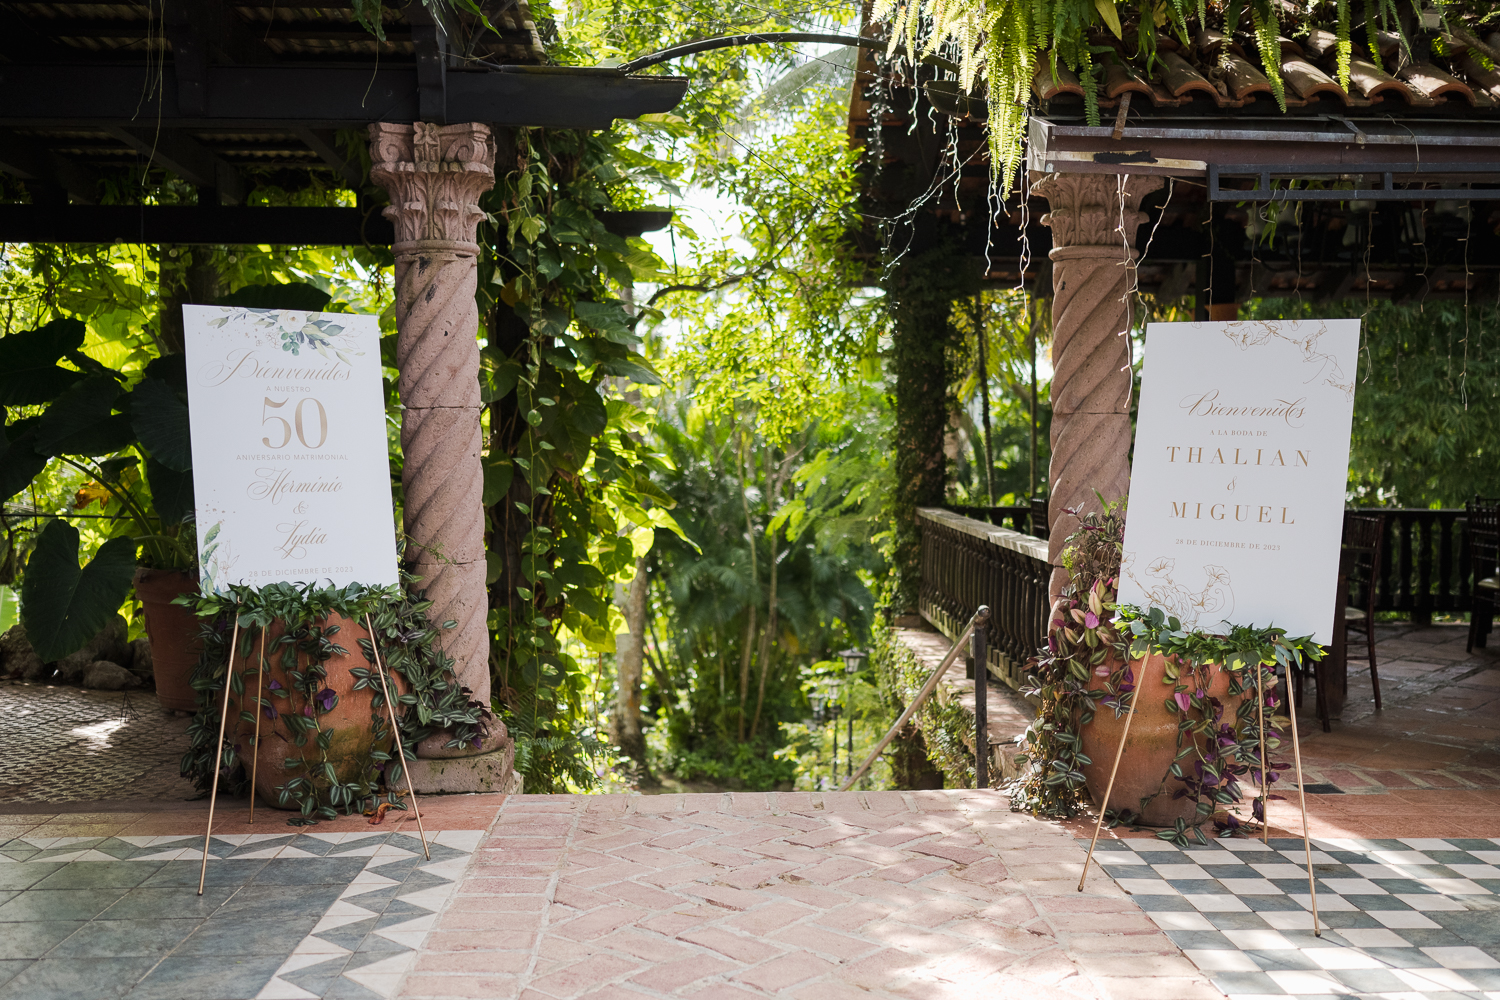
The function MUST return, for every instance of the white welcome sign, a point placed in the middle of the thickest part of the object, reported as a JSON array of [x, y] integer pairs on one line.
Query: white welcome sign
[[290, 459], [1239, 473]]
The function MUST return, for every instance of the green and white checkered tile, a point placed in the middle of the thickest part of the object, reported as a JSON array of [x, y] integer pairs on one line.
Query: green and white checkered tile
[[1408, 918]]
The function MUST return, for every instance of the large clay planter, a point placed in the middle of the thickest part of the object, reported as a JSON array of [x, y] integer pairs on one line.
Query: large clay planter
[[350, 719], [172, 630], [1150, 748]]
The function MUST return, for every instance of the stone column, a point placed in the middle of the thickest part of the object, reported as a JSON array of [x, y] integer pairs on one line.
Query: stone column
[[1093, 221], [435, 175]]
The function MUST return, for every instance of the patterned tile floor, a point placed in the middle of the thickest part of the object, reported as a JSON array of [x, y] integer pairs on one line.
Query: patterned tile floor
[[65, 744], [1409, 918], [283, 915]]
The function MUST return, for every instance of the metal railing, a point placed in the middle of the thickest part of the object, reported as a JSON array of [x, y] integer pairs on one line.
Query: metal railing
[[1027, 519], [1424, 562], [967, 564]]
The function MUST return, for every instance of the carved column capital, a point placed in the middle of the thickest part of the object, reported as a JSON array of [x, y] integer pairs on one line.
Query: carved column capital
[[1092, 210], [435, 175]]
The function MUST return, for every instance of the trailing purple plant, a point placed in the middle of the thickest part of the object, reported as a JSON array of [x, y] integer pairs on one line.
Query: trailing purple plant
[[1089, 665]]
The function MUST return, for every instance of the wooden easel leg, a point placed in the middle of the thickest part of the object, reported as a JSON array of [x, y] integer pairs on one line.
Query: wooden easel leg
[[213, 795], [1265, 783], [1110, 787], [260, 672], [390, 706], [1312, 889]]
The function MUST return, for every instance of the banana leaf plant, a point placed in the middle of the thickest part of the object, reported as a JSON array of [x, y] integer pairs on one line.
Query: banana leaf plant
[[127, 433]]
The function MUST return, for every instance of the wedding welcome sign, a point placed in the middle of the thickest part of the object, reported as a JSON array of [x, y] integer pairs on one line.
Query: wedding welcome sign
[[1239, 472], [290, 460]]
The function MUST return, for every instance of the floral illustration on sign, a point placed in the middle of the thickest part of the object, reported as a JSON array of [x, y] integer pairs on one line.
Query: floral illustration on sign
[[1254, 333], [217, 560], [1214, 602], [297, 330]]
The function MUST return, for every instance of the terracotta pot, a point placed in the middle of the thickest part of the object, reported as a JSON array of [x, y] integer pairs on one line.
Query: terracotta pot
[[1150, 748], [173, 633], [349, 719]]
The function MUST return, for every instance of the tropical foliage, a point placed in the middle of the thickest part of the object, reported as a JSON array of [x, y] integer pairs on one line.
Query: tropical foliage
[[1425, 413]]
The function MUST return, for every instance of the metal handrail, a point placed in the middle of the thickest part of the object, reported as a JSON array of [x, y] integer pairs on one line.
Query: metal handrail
[[981, 617]]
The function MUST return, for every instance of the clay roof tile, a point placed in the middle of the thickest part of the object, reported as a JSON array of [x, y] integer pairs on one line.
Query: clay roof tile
[[1048, 86], [1244, 80], [1484, 81], [1320, 43], [1182, 80], [1434, 84], [1309, 81], [1119, 78], [1374, 83]]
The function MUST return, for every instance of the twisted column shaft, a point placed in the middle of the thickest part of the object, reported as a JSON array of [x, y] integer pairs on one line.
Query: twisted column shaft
[[435, 176], [1093, 219]]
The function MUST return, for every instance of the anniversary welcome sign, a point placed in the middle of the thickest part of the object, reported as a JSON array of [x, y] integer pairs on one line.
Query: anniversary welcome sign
[[1239, 472], [290, 466]]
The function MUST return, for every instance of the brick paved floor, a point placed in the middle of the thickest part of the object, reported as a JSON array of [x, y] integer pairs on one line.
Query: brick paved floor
[[806, 895], [1428, 764]]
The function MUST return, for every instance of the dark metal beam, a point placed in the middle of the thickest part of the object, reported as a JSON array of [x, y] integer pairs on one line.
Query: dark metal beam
[[189, 60], [29, 160], [84, 95], [237, 41], [429, 36], [238, 225], [186, 157], [186, 224], [324, 142]]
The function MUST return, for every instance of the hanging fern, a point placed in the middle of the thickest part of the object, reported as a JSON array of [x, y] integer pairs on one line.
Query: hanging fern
[[1001, 43], [1345, 46], [1268, 40]]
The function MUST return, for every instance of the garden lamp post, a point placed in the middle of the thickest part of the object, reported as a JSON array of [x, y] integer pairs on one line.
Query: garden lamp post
[[834, 711], [854, 660], [818, 701]]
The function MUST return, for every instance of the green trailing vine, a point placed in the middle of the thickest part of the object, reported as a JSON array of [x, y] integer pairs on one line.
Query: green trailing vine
[[300, 640], [1088, 666], [1000, 44]]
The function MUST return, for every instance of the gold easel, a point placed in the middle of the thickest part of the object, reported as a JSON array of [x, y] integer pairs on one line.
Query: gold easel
[[260, 672], [396, 733], [213, 795]]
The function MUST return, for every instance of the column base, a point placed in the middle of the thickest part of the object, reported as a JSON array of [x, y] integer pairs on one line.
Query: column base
[[487, 772]]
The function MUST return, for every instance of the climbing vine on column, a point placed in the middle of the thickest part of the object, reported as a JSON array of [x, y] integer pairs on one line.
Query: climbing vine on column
[[921, 290], [568, 490]]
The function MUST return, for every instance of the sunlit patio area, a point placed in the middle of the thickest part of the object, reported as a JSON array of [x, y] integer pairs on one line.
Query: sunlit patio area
[[874, 894]]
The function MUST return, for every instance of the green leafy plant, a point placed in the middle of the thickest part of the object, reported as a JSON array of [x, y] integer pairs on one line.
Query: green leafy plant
[[1091, 638], [433, 702]]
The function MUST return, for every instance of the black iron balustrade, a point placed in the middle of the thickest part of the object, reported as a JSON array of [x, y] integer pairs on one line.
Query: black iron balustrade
[[972, 561], [966, 564], [1028, 519], [1424, 561]]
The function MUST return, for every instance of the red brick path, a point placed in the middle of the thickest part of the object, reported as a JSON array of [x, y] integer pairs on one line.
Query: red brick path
[[813, 896]]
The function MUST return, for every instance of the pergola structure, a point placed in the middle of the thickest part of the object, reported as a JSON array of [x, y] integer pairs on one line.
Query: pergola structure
[[1390, 189], [244, 100]]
